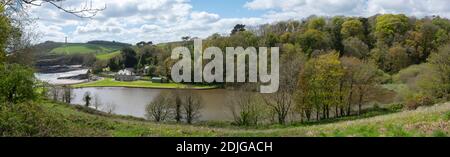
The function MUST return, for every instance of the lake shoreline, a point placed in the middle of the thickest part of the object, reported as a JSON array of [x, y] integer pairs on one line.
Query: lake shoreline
[[108, 82]]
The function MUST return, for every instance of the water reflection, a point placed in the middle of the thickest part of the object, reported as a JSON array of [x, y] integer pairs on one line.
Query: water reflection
[[132, 101]]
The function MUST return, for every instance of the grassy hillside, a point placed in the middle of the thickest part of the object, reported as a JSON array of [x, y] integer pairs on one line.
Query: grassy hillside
[[107, 56], [81, 48], [431, 121], [103, 50]]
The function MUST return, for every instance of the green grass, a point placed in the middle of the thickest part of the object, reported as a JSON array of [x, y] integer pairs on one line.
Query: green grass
[[101, 52], [107, 56], [109, 82], [429, 121]]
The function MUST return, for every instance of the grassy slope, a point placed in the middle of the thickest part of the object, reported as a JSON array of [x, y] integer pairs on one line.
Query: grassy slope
[[432, 121], [102, 52], [108, 82], [107, 56]]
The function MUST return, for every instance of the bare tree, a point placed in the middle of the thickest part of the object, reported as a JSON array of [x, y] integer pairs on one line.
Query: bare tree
[[110, 108], [245, 108], [54, 93], [67, 95], [281, 103], [97, 102], [178, 115], [160, 108], [192, 103]]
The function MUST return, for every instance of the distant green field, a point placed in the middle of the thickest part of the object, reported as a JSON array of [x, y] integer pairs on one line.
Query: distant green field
[[77, 48], [107, 56]]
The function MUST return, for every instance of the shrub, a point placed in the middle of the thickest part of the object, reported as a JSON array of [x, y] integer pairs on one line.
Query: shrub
[[16, 83], [396, 107], [29, 119], [246, 108], [160, 108], [419, 100], [447, 116]]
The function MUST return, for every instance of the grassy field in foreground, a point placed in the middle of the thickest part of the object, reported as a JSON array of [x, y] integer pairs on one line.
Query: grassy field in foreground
[[108, 82], [430, 121]]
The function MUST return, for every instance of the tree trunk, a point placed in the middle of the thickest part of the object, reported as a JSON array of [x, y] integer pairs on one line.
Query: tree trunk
[[360, 103], [349, 103]]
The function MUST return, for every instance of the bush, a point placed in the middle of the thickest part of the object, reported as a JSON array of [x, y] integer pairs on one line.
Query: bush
[[29, 119], [396, 107], [447, 116], [160, 108], [419, 100], [16, 83]]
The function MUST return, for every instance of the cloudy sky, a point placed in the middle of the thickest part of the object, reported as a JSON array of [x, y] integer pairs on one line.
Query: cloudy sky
[[168, 20]]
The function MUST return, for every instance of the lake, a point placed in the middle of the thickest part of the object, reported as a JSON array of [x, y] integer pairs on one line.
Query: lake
[[132, 101]]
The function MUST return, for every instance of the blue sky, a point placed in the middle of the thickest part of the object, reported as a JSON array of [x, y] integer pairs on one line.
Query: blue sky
[[168, 20]]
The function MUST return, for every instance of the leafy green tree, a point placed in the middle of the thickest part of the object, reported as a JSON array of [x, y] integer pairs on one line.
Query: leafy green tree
[[335, 27], [242, 38], [129, 57], [389, 26], [352, 28], [238, 28], [396, 59], [441, 63], [367, 76], [423, 40], [16, 83], [114, 64], [286, 37], [319, 84], [312, 40], [317, 23], [355, 47], [443, 23], [271, 40]]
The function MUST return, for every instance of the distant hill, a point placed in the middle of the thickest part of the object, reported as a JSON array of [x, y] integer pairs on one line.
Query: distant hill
[[96, 47], [102, 49]]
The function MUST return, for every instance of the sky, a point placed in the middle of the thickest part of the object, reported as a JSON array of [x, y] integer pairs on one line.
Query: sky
[[132, 21]]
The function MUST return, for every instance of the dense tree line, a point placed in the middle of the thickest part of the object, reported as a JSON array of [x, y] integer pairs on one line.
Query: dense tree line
[[335, 66]]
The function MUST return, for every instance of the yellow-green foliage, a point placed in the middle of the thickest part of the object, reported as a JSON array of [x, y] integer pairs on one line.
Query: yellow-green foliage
[[352, 28], [389, 24]]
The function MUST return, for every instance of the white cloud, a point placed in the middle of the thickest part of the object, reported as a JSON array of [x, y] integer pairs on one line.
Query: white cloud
[[287, 9], [167, 20], [133, 21]]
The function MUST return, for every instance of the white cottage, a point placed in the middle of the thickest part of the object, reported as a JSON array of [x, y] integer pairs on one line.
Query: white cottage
[[126, 75]]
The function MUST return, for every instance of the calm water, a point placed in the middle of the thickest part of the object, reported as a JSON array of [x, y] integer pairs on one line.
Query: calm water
[[132, 101], [53, 78]]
